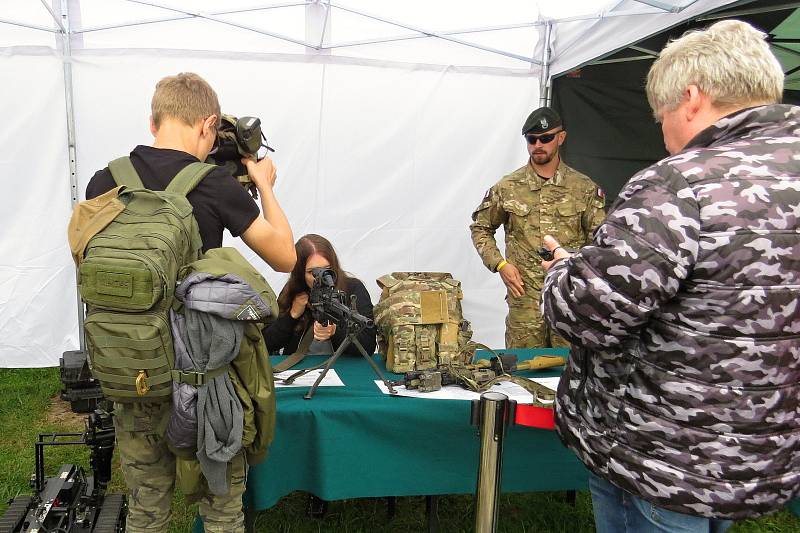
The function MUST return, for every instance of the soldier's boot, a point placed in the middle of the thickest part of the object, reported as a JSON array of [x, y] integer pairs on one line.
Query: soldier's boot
[[317, 507]]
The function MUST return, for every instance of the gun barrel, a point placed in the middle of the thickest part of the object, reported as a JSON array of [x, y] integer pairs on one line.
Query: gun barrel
[[340, 312]]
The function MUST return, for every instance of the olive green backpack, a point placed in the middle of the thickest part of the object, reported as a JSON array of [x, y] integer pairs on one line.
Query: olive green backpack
[[420, 323], [127, 277]]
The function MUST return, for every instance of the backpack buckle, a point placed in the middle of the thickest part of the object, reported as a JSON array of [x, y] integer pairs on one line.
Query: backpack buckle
[[195, 379], [142, 387]]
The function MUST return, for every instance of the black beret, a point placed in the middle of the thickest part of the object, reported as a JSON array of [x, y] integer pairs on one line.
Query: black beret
[[541, 120]]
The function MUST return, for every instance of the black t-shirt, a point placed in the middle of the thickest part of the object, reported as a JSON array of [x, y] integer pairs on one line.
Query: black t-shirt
[[218, 201]]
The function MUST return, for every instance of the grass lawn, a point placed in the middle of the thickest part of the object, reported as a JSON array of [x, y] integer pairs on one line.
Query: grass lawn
[[29, 406]]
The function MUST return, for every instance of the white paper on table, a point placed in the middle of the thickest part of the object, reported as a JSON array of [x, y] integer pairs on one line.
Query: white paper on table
[[551, 382], [331, 379], [455, 392]]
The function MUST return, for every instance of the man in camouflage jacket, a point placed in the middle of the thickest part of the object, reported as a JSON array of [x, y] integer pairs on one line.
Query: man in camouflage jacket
[[543, 197], [682, 393]]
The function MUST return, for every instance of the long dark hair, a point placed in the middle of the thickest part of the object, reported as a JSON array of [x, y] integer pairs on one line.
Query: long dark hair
[[305, 247]]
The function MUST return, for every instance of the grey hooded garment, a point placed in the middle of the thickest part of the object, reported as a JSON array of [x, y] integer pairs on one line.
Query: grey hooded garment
[[207, 336]]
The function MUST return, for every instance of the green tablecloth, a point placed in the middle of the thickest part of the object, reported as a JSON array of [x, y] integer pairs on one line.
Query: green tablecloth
[[794, 506], [354, 441]]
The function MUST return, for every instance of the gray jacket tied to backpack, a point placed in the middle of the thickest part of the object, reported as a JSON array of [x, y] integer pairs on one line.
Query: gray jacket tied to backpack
[[207, 414], [683, 387]]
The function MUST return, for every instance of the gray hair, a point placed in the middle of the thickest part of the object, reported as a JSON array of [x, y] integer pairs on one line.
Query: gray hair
[[730, 62]]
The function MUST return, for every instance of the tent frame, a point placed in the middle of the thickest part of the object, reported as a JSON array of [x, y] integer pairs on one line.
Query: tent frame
[[317, 25], [419, 32], [720, 13], [64, 23]]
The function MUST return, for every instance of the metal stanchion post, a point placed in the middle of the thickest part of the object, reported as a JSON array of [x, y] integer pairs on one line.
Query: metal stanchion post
[[492, 414]]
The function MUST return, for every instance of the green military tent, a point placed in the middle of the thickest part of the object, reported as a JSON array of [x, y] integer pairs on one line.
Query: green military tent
[[612, 133]]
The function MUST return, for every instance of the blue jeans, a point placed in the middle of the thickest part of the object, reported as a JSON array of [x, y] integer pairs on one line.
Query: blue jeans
[[617, 511]]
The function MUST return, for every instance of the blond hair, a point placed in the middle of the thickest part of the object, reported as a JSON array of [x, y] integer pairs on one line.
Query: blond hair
[[186, 97], [730, 62]]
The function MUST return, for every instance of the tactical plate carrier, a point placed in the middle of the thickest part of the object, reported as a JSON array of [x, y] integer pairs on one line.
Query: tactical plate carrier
[[419, 321]]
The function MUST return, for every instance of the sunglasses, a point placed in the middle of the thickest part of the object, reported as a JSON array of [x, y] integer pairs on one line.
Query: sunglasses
[[544, 139]]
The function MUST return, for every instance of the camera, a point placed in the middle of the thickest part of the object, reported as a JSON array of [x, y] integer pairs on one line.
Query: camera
[[238, 138], [545, 254], [548, 255]]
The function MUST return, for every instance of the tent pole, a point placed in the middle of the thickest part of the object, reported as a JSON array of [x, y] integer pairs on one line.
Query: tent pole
[[545, 80], [208, 16], [423, 36], [66, 51], [429, 33], [318, 27], [751, 11], [25, 25], [185, 16], [664, 6]]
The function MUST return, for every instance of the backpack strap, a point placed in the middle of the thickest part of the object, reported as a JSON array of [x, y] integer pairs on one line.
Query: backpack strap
[[188, 178], [124, 174], [299, 354], [198, 378]]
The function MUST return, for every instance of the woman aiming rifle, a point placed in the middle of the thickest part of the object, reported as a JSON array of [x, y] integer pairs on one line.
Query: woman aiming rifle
[[294, 314]]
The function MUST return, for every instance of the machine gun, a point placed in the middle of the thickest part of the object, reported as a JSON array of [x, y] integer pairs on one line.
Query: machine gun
[[327, 304], [71, 501], [482, 374]]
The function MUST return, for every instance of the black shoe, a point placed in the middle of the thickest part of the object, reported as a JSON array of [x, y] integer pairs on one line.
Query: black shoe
[[317, 507]]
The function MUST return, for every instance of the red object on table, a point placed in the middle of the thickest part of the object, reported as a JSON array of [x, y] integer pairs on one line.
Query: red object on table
[[533, 416]]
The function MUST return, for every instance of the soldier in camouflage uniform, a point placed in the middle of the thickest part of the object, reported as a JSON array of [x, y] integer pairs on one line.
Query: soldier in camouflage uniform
[[543, 197], [682, 393]]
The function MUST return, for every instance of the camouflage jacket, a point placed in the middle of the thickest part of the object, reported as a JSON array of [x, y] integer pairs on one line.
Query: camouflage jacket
[[568, 206], [684, 384]]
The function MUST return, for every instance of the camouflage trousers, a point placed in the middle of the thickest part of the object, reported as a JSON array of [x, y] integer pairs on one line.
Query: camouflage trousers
[[149, 469], [525, 325]]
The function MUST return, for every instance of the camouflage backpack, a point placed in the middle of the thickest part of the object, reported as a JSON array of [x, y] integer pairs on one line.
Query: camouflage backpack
[[127, 273], [419, 321]]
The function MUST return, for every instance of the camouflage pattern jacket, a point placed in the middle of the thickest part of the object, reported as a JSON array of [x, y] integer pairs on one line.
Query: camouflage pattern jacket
[[684, 384], [568, 206]]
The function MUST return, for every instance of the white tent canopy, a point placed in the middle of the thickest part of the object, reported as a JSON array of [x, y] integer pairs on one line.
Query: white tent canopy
[[390, 120]]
